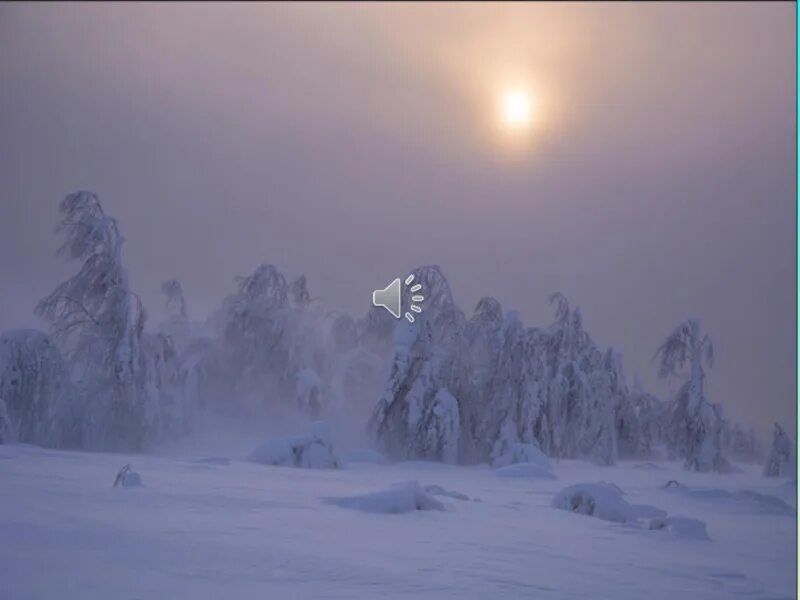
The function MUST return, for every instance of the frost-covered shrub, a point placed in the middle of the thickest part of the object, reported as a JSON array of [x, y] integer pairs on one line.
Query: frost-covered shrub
[[401, 498], [314, 451], [35, 391]]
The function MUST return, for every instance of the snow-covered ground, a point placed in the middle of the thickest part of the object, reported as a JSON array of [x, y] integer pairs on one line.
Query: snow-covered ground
[[220, 527]]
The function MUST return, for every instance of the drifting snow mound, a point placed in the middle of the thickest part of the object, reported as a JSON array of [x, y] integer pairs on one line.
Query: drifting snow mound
[[401, 498], [685, 527], [313, 451], [526, 471], [127, 477], [437, 490], [604, 501], [742, 501]]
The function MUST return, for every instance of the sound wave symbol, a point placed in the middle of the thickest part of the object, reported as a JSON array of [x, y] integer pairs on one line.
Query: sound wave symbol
[[415, 298]]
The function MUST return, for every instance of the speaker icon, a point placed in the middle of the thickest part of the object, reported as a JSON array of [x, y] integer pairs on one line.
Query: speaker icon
[[390, 298]]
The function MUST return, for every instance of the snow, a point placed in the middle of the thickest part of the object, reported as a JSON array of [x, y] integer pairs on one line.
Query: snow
[[693, 529], [241, 530], [127, 477], [314, 451], [437, 490], [603, 501], [747, 501], [522, 453], [362, 455], [526, 470], [401, 498]]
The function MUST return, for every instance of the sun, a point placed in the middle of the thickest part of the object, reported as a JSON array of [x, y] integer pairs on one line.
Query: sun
[[517, 109]]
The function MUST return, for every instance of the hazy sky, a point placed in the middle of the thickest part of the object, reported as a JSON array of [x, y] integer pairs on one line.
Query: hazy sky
[[354, 142]]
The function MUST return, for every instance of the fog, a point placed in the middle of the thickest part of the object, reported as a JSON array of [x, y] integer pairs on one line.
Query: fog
[[353, 143]]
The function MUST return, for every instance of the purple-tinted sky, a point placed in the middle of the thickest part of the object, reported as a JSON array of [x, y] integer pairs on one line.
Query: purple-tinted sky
[[354, 142]]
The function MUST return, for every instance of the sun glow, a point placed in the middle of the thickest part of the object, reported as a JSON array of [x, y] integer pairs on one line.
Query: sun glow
[[517, 109]]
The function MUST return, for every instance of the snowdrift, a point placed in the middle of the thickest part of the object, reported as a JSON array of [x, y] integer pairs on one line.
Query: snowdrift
[[741, 501], [518, 460], [684, 527], [437, 490], [521, 453], [604, 501], [401, 498], [127, 477], [314, 451]]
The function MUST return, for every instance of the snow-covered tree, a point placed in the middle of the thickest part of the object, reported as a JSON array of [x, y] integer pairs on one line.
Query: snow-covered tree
[[483, 412], [176, 324], [508, 410], [779, 461], [693, 427], [418, 415], [7, 433], [609, 391], [355, 375], [744, 445], [35, 392], [164, 378], [298, 292], [253, 327], [638, 423], [273, 344], [582, 390], [98, 322]]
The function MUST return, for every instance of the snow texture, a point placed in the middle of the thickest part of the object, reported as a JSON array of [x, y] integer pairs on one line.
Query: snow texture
[[241, 531], [362, 455], [400, 498], [526, 471]]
